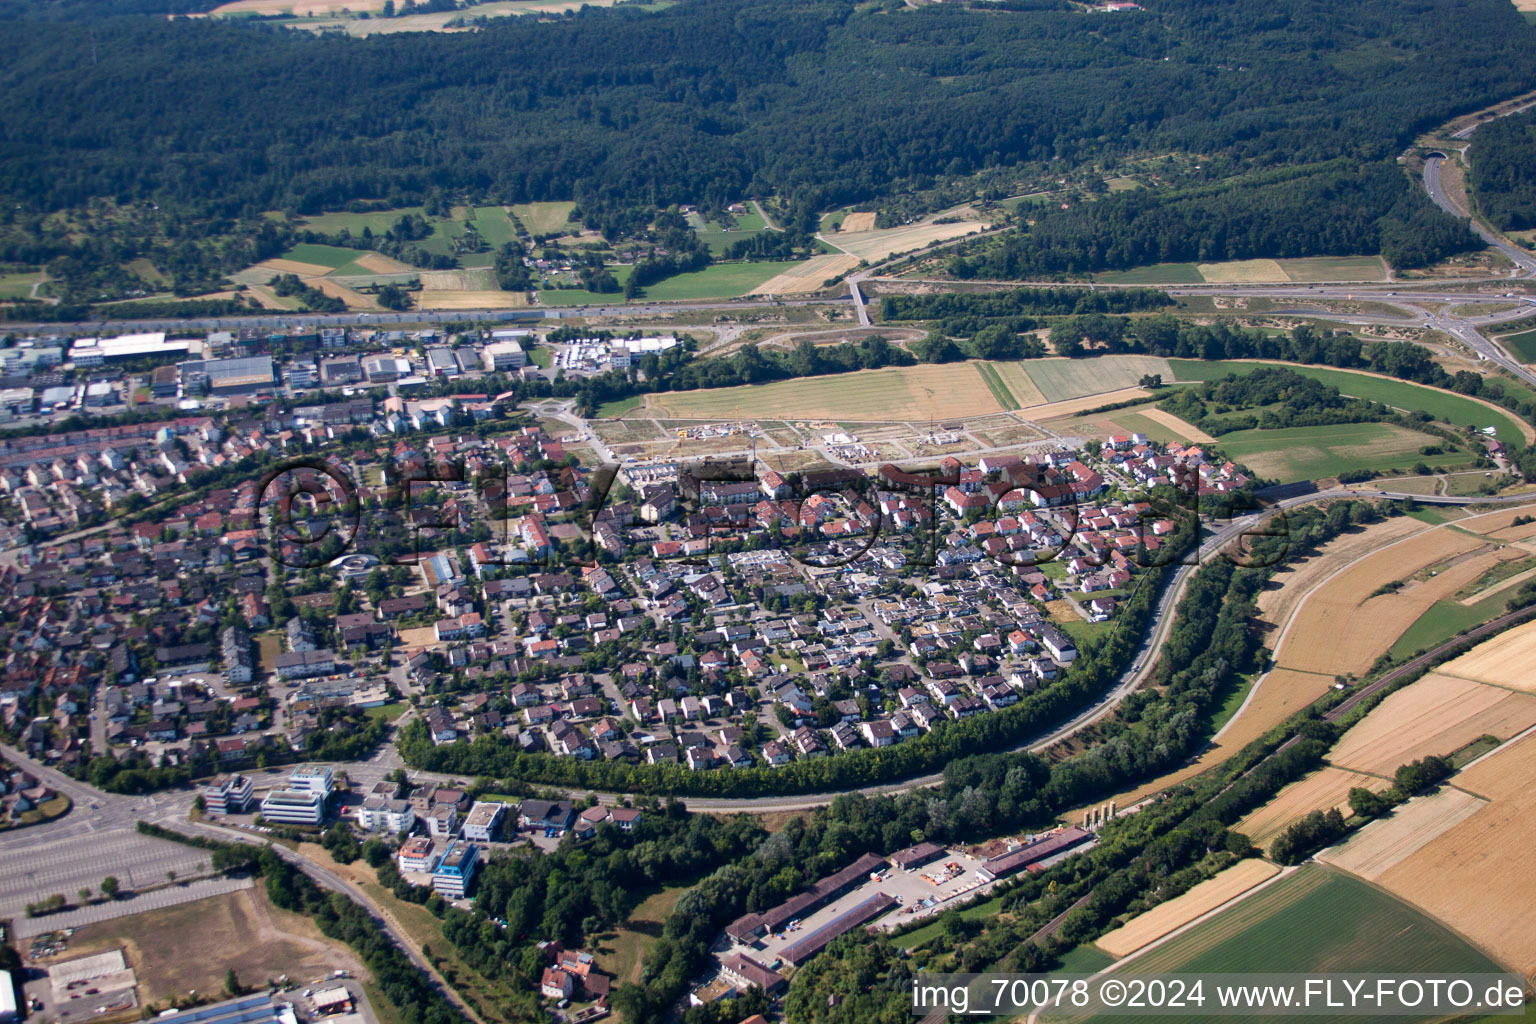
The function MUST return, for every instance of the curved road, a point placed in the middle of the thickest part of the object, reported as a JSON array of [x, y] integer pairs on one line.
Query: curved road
[[1141, 667]]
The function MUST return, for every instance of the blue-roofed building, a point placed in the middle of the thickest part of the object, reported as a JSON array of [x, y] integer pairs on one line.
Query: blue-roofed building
[[252, 1009]]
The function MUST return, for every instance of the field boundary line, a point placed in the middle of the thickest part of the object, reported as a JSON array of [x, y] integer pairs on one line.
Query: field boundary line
[[1285, 872]]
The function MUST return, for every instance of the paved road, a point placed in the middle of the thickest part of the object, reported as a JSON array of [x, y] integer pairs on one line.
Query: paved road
[[335, 883], [1142, 665]]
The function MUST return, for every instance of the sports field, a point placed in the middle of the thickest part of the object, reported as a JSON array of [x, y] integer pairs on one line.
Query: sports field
[[1443, 405], [942, 391], [1315, 453], [1167, 917], [1314, 919], [544, 218]]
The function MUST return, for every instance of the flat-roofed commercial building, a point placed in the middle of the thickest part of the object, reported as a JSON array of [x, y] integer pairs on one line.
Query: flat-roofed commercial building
[[504, 355], [418, 854], [287, 807], [483, 821], [228, 794], [312, 778]]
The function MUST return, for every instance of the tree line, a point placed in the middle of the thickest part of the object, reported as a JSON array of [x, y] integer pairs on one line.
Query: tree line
[[1502, 159], [1341, 208]]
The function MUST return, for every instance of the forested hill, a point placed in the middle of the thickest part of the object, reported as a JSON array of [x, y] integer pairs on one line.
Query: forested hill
[[710, 99], [1503, 162]]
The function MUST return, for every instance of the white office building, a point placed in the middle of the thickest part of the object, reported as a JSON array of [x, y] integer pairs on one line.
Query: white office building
[[483, 821], [290, 807], [312, 778]]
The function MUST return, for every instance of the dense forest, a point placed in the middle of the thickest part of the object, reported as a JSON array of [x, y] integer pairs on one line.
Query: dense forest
[[1336, 209], [1503, 171], [709, 100]]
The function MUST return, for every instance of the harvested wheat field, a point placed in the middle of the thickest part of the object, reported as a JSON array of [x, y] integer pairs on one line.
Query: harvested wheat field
[[1508, 659], [1278, 694], [443, 280], [354, 300], [857, 222], [1073, 406], [298, 8], [808, 276], [1179, 911], [452, 299], [1323, 790], [1019, 383], [1295, 580], [381, 264], [268, 299], [878, 244], [1343, 628], [1437, 715], [1383, 843], [1243, 272], [1177, 425], [1476, 876], [281, 266], [941, 391]]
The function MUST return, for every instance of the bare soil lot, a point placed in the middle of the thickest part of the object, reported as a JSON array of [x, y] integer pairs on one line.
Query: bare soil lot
[[172, 950]]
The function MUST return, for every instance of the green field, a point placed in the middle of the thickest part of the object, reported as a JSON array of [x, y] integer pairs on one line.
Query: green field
[[1062, 379], [440, 241], [716, 281], [1322, 269], [935, 926], [379, 222], [545, 218], [1400, 394], [609, 410], [1137, 423], [493, 225], [1312, 453], [1159, 273], [1522, 345], [1314, 920], [996, 386], [388, 712], [717, 237], [1444, 619], [322, 255], [18, 286]]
